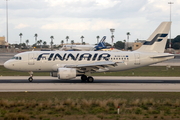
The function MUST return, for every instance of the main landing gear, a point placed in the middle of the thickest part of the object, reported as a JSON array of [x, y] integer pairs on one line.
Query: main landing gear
[[31, 77], [84, 78]]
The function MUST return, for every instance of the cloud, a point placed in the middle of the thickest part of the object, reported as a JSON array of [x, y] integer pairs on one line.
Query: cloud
[[89, 18], [94, 25], [21, 26]]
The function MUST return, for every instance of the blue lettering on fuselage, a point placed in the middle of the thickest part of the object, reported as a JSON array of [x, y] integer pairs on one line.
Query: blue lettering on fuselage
[[85, 55], [79, 57], [40, 56], [105, 56], [59, 56], [72, 57], [50, 57]]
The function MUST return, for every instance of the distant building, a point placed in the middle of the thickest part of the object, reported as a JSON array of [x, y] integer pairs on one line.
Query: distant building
[[134, 45], [2, 41], [137, 44]]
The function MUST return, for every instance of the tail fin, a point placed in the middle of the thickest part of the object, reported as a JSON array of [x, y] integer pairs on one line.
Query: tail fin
[[101, 45], [157, 41], [102, 42]]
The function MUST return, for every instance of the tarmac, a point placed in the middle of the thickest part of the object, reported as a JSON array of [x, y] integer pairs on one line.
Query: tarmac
[[101, 83]]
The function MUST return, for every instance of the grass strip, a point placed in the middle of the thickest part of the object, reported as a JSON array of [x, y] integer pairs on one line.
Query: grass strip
[[90, 105]]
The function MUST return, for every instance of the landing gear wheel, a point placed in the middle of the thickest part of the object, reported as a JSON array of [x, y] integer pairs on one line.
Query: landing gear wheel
[[90, 79], [30, 79], [31, 76], [83, 78]]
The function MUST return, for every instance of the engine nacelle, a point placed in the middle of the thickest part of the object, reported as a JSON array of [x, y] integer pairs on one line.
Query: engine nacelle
[[53, 74], [66, 73]]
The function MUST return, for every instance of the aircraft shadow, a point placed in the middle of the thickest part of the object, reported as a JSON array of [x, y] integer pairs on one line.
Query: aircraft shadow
[[96, 81]]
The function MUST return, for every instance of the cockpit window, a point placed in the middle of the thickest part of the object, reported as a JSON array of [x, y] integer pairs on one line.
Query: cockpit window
[[17, 58]]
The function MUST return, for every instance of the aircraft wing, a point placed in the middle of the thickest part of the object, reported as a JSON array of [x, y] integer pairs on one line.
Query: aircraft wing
[[103, 66]]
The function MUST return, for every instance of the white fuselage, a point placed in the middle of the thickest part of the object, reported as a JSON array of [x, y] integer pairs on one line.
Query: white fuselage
[[78, 47], [40, 61]]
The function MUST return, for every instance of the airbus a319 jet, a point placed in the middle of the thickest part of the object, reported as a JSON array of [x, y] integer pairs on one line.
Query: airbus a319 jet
[[70, 64]]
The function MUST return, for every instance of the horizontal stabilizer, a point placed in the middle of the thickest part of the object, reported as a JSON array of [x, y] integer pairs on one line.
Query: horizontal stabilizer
[[163, 56]]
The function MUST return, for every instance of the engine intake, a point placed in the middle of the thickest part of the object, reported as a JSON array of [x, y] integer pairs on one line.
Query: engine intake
[[66, 73]]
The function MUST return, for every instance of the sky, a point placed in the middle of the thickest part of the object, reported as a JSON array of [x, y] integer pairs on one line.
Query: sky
[[90, 18]]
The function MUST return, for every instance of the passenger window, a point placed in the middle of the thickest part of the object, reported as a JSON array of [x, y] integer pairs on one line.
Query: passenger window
[[19, 58], [16, 58]]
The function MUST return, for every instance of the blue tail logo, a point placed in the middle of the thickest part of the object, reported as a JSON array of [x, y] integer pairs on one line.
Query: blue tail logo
[[101, 44], [157, 38]]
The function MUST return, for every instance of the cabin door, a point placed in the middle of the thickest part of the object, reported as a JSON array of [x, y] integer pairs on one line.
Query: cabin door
[[137, 59], [30, 59]]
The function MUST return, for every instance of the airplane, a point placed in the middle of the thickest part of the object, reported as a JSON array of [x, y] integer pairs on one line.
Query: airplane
[[101, 45], [70, 64]]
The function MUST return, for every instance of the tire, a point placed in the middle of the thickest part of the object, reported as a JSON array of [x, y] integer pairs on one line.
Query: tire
[[30, 79], [90, 79], [83, 78]]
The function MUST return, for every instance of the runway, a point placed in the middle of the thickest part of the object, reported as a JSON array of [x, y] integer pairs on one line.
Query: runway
[[101, 83]]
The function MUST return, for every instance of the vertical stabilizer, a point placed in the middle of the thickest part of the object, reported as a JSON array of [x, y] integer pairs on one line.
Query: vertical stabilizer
[[157, 41]]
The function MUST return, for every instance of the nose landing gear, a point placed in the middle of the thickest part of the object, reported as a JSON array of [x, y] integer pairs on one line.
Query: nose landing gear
[[31, 76]]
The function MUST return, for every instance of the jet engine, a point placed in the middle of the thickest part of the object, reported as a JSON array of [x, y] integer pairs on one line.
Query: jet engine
[[66, 73]]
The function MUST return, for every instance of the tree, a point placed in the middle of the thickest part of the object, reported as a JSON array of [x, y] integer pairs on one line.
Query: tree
[[82, 37], [62, 41], [27, 41], [20, 37], [128, 34], [119, 45], [44, 43], [40, 41], [124, 44], [36, 35], [67, 38], [97, 39], [52, 37], [72, 42], [176, 46], [83, 43]]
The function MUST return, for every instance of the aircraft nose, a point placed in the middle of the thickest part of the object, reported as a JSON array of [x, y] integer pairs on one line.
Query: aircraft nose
[[7, 65]]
